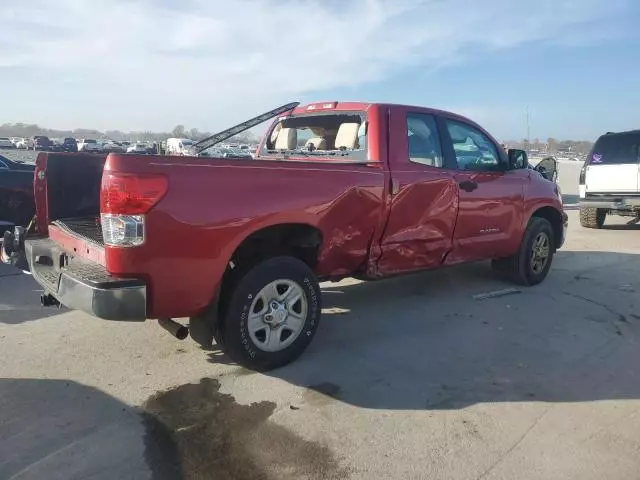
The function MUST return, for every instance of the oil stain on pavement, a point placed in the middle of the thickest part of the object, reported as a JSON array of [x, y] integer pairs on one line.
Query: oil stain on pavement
[[195, 432]]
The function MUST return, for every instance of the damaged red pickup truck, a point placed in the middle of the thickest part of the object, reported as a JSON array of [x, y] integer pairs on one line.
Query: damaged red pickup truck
[[239, 246]]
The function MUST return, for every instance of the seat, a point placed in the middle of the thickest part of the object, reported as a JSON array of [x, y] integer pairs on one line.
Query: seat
[[347, 137], [318, 143], [287, 139]]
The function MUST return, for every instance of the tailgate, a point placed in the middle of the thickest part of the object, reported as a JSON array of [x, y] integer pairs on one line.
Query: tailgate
[[613, 166], [622, 178], [67, 186]]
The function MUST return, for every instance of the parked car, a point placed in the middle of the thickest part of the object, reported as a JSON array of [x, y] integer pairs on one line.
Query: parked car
[[69, 144], [138, 147], [240, 245], [5, 142], [179, 146], [41, 142], [610, 179], [113, 147], [22, 143], [88, 145], [16, 193], [56, 145]]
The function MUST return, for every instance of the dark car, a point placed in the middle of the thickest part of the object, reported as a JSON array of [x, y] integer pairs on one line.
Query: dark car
[[69, 145], [40, 142], [16, 193]]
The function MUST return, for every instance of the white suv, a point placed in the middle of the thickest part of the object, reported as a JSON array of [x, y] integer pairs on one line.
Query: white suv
[[610, 179]]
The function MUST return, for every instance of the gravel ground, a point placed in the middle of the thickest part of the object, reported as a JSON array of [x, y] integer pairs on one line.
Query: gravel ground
[[408, 378], [28, 156]]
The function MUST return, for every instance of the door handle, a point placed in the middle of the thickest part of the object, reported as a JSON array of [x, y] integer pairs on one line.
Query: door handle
[[468, 185]]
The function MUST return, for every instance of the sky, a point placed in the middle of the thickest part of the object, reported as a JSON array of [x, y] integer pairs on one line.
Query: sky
[[150, 65]]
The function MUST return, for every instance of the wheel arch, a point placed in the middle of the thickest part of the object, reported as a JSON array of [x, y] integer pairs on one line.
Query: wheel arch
[[297, 239], [554, 217]]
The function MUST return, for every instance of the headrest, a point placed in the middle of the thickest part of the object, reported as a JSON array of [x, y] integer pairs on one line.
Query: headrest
[[347, 136], [287, 139]]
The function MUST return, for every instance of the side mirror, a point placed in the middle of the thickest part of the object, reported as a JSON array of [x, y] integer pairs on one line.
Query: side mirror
[[517, 159]]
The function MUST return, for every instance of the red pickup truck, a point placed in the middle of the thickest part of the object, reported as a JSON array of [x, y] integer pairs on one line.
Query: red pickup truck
[[239, 246]]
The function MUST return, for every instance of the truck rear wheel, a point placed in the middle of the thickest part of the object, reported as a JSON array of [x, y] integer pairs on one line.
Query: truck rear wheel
[[531, 263], [592, 217], [271, 315]]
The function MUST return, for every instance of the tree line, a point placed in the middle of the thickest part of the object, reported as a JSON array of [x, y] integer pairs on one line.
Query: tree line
[[552, 145], [180, 131]]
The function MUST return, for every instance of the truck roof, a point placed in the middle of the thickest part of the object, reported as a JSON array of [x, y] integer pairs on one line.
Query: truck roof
[[363, 106]]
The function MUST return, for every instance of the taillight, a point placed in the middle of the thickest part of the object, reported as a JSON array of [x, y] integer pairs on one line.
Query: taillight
[[122, 230], [124, 199], [583, 174], [131, 194]]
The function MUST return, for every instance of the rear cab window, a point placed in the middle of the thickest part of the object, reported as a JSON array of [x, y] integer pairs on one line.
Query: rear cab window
[[423, 142], [616, 149], [338, 135]]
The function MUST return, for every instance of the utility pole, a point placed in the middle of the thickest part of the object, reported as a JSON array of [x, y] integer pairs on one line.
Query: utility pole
[[528, 132]]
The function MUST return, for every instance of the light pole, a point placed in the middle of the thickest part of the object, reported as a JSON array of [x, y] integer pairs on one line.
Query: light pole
[[528, 132]]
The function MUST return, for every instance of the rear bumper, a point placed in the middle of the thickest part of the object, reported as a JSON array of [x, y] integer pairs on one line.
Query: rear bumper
[[611, 202], [82, 285]]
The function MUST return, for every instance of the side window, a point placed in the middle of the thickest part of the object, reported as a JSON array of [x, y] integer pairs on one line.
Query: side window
[[473, 149], [3, 166], [423, 141]]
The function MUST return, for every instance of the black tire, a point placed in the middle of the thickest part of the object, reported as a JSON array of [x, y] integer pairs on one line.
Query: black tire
[[233, 328], [518, 268], [592, 217]]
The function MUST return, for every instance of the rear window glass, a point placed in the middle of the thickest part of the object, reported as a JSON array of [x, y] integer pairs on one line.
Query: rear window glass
[[89, 141], [615, 149], [340, 136]]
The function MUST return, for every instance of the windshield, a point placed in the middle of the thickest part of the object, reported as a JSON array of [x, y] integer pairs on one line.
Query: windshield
[[89, 141], [333, 135]]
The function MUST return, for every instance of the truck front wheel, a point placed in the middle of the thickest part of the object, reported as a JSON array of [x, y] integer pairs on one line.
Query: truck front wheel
[[271, 315], [531, 263]]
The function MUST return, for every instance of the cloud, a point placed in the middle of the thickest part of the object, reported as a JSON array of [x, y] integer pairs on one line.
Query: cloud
[[152, 64]]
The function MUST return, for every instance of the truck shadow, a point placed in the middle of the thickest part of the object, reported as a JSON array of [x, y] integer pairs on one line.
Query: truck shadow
[[60, 430], [621, 226], [423, 342], [20, 298]]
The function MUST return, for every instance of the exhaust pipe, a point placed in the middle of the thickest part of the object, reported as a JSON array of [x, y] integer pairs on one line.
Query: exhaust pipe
[[174, 328], [48, 300]]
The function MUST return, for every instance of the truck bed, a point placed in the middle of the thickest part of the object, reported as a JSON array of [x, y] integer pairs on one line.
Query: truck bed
[[87, 228]]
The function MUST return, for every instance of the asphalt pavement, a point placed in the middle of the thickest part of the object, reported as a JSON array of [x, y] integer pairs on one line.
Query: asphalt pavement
[[407, 378]]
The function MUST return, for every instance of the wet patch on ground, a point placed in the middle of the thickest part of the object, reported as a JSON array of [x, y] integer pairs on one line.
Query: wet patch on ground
[[195, 432]]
